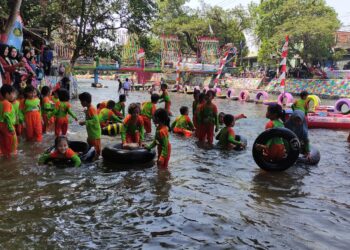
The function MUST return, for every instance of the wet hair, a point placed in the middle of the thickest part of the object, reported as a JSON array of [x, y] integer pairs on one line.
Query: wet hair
[[161, 115], [201, 97], [277, 109], [154, 98], [59, 139], [132, 108], [196, 93], [110, 104], [6, 89], [122, 98], [85, 97], [304, 93], [28, 90], [63, 95], [164, 86], [45, 91], [210, 92], [183, 110], [228, 119], [98, 105]]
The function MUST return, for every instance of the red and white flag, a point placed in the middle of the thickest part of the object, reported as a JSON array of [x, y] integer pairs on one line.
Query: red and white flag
[[282, 78]]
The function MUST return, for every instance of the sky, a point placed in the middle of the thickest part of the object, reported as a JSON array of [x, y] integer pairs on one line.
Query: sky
[[341, 6]]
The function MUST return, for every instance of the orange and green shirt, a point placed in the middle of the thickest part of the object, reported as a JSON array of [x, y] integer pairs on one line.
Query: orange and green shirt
[[120, 107], [184, 122], [207, 113], [162, 140], [106, 116], [274, 124], [62, 109], [227, 136], [92, 123], [7, 115], [131, 126], [148, 109], [69, 155]]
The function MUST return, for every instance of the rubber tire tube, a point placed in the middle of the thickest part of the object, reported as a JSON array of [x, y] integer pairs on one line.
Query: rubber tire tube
[[315, 157], [339, 104], [118, 155], [285, 163]]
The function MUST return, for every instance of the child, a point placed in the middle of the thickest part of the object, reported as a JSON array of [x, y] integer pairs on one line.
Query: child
[[46, 107], [226, 135], [274, 150], [119, 107], [92, 123], [107, 116], [16, 104], [182, 124], [165, 97], [8, 139], [32, 115], [147, 112], [161, 120], [61, 111], [301, 103], [297, 124], [62, 152], [133, 128], [55, 97], [195, 105], [222, 115], [207, 119]]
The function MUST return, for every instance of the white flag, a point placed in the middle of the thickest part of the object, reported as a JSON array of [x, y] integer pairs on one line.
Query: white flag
[[211, 30]]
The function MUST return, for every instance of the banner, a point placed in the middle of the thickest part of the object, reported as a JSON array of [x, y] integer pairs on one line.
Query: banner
[[15, 37]]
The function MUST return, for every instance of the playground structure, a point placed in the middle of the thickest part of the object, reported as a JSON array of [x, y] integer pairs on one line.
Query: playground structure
[[173, 66]]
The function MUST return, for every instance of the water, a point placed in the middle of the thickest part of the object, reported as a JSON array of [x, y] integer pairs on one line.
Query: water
[[207, 200]]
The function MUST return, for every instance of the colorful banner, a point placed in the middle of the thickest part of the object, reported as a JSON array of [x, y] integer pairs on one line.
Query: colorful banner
[[15, 37]]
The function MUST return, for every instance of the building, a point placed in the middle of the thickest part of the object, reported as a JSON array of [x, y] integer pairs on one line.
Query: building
[[342, 38]]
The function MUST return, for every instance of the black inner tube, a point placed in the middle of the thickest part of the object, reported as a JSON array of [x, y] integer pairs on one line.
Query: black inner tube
[[118, 155], [292, 146]]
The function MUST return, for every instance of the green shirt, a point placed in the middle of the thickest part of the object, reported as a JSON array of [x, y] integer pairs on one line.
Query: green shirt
[[7, 115], [227, 136], [18, 112], [300, 105], [184, 122], [148, 108], [107, 115], [161, 139], [62, 109], [120, 107], [31, 105], [92, 123]]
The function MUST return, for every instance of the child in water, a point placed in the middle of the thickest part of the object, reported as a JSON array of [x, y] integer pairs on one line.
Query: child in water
[[8, 139], [226, 136], [46, 108], [301, 103], [61, 152], [92, 123], [195, 104], [32, 115], [207, 119], [61, 111], [147, 111], [107, 116], [274, 150], [133, 129], [183, 124], [161, 139], [165, 97], [16, 104], [119, 107]]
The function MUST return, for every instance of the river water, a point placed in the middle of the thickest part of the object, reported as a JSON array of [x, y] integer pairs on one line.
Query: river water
[[207, 200]]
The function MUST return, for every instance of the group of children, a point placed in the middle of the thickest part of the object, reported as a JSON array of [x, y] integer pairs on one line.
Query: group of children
[[37, 115]]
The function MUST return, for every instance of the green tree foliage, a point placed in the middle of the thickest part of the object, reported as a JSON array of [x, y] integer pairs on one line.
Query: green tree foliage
[[188, 24], [310, 24]]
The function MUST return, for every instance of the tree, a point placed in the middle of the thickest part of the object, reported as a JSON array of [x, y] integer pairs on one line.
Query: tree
[[13, 7], [310, 24], [89, 21], [188, 24]]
